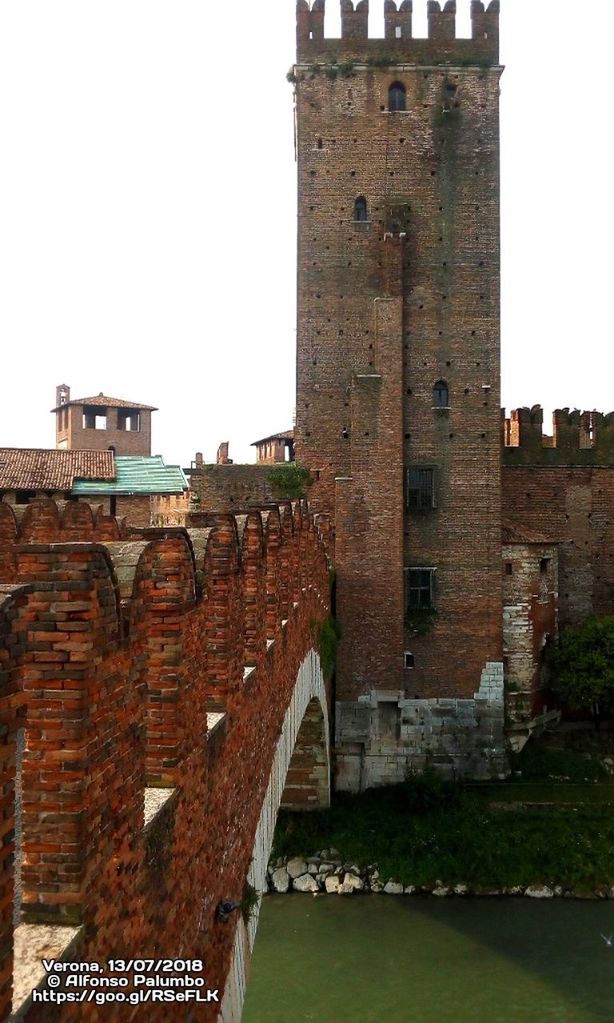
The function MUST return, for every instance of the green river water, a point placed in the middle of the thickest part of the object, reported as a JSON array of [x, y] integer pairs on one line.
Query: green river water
[[395, 959]]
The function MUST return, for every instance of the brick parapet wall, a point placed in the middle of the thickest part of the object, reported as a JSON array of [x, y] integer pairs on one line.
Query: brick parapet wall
[[114, 654], [47, 521], [399, 46], [577, 439]]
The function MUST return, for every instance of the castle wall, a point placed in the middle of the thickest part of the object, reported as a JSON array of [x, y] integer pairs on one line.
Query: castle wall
[[573, 506], [226, 487], [136, 816], [563, 486]]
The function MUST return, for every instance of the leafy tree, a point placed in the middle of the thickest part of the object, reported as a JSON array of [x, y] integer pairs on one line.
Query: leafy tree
[[289, 480], [583, 665]]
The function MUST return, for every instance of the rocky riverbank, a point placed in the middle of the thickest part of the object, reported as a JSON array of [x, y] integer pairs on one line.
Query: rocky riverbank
[[327, 873]]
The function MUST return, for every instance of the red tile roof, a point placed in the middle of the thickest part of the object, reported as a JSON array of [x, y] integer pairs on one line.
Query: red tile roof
[[50, 469], [103, 400], [284, 435]]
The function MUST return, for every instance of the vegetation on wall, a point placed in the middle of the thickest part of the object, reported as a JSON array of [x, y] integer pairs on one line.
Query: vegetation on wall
[[289, 480], [328, 636], [420, 619]]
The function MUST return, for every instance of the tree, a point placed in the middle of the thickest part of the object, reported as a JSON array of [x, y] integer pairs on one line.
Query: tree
[[583, 665]]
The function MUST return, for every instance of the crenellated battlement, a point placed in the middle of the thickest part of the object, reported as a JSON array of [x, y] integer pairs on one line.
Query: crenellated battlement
[[578, 438], [153, 669], [399, 45]]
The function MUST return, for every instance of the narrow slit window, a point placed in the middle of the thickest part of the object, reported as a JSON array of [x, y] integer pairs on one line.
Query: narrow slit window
[[397, 97], [360, 209], [441, 395]]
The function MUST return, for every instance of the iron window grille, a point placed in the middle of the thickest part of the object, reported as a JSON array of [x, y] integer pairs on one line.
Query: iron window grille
[[420, 488]]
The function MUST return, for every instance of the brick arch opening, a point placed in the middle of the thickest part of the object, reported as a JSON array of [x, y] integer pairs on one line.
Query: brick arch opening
[[302, 755], [308, 779]]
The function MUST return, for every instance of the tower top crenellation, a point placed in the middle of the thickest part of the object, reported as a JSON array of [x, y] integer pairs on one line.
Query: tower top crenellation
[[399, 45]]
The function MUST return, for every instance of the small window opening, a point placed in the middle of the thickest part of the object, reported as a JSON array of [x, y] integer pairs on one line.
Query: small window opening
[[397, 97], [509, 568], [398, 34], [409, 659], [22, 497], [129, 420], [360, 209], [319, 143], [441, 396], [94, 418], [419, 583], [543, 566]]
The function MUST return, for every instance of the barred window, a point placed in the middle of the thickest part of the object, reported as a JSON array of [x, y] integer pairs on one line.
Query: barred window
[[419, 583], [420, 489]]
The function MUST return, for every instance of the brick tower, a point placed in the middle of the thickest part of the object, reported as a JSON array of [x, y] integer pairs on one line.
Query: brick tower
[[398, 408]]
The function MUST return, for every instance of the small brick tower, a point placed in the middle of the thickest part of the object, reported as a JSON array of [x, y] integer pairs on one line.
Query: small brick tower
[[101, 423], [398, 409]]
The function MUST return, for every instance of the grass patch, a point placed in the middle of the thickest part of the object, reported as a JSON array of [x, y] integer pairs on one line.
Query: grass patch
[[427, 830]]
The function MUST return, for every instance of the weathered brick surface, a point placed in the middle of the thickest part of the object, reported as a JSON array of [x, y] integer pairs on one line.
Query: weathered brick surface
[[530, 622], [115, 655]]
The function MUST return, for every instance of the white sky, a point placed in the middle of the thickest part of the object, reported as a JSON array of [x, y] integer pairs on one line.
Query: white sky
[[147, 211]]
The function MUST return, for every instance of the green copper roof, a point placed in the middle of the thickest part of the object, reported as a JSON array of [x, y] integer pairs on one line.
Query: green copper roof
[[135, 474]]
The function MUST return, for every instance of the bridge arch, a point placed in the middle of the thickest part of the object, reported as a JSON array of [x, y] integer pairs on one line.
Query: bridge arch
[[299, 779]]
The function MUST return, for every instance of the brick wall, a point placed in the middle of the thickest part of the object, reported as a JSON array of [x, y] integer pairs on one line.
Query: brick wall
[[573, 506], [562, 486], [116, 653]]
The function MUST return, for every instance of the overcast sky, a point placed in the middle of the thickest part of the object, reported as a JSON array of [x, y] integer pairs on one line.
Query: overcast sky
[[148, 209]]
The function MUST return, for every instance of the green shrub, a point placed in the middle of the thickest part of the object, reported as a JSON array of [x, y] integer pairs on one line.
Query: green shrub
[[583, 665], [289, 480]]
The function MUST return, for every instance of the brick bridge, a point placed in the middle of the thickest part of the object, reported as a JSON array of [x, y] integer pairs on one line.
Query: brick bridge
[[161, 695]]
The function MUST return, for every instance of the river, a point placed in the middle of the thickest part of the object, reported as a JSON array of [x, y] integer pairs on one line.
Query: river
[[406, 959]]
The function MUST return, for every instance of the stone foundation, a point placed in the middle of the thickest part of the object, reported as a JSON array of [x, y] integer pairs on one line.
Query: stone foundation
[[382, 736]]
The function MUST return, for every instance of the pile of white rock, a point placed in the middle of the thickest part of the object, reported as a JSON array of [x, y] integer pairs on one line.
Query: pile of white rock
[[327, 873]]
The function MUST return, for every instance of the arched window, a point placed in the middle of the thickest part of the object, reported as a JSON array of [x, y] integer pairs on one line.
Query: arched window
[[360, 208], [396, 96], [441, 397]]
